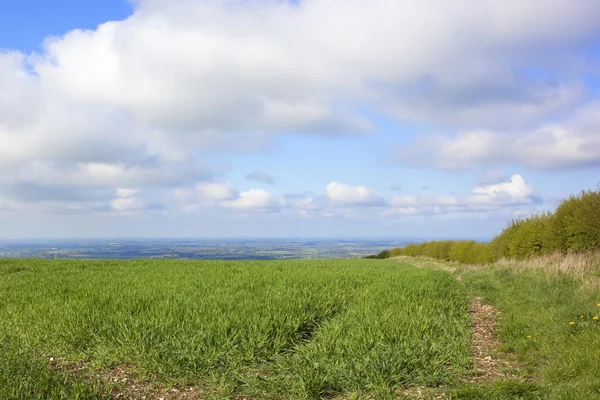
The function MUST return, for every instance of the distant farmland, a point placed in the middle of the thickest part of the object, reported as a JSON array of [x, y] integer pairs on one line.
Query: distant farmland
[[211, 329]]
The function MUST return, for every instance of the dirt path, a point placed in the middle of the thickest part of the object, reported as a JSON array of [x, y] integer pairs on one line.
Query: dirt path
[[490, 364]]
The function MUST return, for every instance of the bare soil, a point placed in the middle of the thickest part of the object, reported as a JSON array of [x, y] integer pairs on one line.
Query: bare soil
[[490, 364]]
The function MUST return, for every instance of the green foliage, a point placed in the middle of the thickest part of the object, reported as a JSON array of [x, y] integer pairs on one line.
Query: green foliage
[[280, 329], [578, 222], [463, 251], [397, 251], [384, 254], [573, 226]]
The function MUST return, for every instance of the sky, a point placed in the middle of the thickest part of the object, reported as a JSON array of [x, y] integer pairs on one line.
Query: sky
[[391, 119]]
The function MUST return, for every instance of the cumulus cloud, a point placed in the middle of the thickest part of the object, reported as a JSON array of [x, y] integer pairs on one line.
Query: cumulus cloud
[[281, 66], [261, 177], [223, 196], [361, 202], [138, 103], [347, 195], [126, 201], [255, 200], [515, 192], [217, 191], [571, 143]]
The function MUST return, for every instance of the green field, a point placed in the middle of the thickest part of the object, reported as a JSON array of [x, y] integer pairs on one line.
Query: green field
[[274, 329], [337, 329]]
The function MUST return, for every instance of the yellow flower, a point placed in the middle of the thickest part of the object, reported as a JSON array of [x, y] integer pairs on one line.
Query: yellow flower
[[499, 312], [581, 316], [528, 336], [572, 323], [595, 318], [598, 304]]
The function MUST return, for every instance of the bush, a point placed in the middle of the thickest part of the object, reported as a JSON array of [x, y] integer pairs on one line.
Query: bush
[[573, 226], [577, 222], [464, 251], [384, 254]]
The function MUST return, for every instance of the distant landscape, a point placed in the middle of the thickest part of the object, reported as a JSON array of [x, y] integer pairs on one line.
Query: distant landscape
[[196, 249]]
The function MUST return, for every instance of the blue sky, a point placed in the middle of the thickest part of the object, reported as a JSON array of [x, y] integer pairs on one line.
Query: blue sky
[[321, 118], [25, 24]]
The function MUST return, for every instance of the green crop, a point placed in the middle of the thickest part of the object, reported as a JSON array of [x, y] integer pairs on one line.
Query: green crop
[[276, 329]]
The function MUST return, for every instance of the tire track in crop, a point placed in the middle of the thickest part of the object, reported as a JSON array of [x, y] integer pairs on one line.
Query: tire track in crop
[[308, 329]]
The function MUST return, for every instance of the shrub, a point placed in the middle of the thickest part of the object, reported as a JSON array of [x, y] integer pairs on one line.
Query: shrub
[[573, 226], [384, 254], [577, 222], [465, 251]]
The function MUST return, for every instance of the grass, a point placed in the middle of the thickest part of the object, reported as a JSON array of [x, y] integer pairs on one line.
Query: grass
[[280, 329], [343, 329], [538, 300], [562, 357], [27, 376], [584, 267], [500, 390]]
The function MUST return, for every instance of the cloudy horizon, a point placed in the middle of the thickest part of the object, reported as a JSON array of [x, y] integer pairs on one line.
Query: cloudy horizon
[[281, 118]]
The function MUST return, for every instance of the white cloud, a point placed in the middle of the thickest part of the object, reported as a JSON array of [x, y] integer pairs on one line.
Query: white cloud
[[125, 193], [255, 200], [126, 201], [429, 200], [138, 103], [482, 198], [350, 201], [571, 143], [217, 191], [514, 192], [223, 196], [347, 195], [19, 97], [278, 66]]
